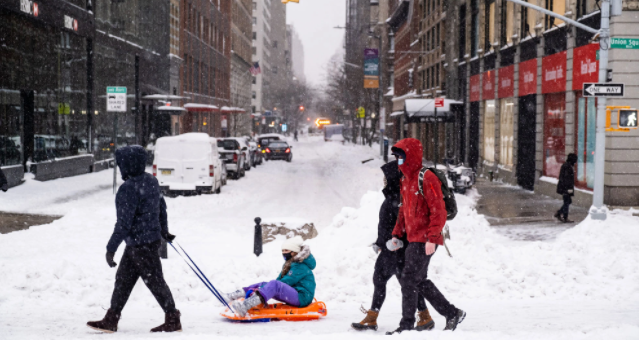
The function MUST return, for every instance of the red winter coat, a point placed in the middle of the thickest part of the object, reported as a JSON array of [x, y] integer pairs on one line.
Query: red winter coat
[[422, 218]]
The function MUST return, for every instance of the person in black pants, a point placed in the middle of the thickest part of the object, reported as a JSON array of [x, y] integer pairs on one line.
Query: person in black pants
[[566, 187], [4, 185], [141, 223], [389, 263]]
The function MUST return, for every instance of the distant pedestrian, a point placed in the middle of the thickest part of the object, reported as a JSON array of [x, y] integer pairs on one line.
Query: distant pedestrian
[[141, 223], [4, 185], [295, 135], [390, 263], [421, 219], [566, 187]]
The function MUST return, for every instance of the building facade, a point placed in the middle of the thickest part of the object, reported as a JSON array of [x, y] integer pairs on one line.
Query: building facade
[[241, 62], [520, 75]]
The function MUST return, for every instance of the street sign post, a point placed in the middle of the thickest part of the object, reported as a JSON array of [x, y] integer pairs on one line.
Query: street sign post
[[116, 102], [603, 90]]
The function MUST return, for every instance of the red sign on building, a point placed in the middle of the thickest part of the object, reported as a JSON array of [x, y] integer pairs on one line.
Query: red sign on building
[[585, 68], [439, 102], [474, 88], [528, 77], [488, 85], [553, 73], [506, 82]]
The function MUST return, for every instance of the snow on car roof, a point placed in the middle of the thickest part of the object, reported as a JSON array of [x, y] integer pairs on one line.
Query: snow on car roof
[[187, 137], [267, 135]]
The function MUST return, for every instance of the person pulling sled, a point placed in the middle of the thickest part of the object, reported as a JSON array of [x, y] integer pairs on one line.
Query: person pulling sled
[[390, 263], [141, 223], [295, 285]]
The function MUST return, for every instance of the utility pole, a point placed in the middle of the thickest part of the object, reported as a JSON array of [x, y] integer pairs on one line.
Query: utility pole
[[598, 211], [380, 111]]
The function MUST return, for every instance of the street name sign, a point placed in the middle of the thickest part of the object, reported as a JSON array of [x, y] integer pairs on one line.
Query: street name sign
[[116, 98], [603, 90], [624, 43]]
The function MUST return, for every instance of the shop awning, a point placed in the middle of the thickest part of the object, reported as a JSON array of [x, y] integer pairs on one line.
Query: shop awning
[[197, 107], [426, 107], [397, 113], [163, 97], [172, 110]]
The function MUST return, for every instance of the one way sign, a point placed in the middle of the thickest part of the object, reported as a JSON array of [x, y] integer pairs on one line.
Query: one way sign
[[603, 90]]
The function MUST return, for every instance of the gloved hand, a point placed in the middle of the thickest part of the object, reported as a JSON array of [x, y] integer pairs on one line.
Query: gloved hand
[[109, 258], [5, 187], [394, 244], [376, 248], [168, 236]]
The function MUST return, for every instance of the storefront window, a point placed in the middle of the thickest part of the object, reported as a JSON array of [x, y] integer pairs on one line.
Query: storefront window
[[490, 25], [554, 133], [557, 6], [586, 123], [489, 131], [506, 130]]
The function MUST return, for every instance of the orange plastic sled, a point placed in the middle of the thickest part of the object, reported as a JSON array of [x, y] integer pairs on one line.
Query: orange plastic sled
[[280, 311]]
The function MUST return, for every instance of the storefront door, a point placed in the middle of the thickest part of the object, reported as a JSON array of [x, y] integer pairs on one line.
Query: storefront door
[[526, 135]]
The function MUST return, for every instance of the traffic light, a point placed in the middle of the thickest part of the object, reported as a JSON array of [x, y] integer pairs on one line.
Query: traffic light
[[628, 119], [287, 1]]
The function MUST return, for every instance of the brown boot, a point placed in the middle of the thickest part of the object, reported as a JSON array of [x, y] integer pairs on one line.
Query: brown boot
[[108, 325], [369, 322], [171, 323], [424, 321]]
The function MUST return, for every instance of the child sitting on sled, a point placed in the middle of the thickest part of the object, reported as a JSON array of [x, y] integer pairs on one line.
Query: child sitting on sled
[[295, 285]]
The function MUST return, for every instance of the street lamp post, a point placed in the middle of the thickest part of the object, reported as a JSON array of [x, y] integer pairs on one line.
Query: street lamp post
[[380, 111]]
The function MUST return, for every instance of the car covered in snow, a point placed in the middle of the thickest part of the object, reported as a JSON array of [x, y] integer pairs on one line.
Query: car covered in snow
[[278, 149], [187, 164], [233, 154]]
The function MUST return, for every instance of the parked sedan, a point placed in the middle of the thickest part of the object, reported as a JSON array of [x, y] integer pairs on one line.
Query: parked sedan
[[233, 155], [278, 149], [256, 153]]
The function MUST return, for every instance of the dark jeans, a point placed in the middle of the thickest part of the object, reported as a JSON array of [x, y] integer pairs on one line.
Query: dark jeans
[[414, 281], [388, 264], [564, 208], [142, 261]]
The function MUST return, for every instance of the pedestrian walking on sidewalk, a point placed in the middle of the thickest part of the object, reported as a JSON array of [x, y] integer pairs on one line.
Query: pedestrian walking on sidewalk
[[421, 219], [566, 187], [141, 223], [4, 184], [295, 135], [390, 263]]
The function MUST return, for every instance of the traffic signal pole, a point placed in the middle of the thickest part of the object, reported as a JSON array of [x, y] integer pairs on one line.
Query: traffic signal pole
[[598, 211]]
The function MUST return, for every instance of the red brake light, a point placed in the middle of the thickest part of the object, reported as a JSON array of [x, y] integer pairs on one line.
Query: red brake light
[[234, 158], [268, 150], [211, 171], [155, 170], [288, 150]]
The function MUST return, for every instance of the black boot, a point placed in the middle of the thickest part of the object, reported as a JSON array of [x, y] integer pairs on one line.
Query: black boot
[[171, 323], [452, 322], [398, 331], [558, 217], [108, 325]]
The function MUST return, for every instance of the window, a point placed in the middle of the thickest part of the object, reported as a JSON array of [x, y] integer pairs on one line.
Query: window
[[557, 6], [474, 27], [254, 21], [254, 35], [489, 131], [585, 140], [506, 130], [423, 79], [254, 8], [507, 19], [581, 8], [274, 69], [253, 109], [392, 42], [254, 50], [428, 78], [554, 133], [437, 36], [254, 94], [428, 41], [489, 25], [274, 43], [437, 75], [462, 32], [254, 80]]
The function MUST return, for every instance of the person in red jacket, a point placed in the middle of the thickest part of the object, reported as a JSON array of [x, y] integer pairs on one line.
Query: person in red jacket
[[421, 218]]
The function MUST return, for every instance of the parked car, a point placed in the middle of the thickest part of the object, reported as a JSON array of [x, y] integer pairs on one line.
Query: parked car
[[265, 139], [245, 150], [225, 174], [188, 164], [278, 149], [256, 153], [233, 155]]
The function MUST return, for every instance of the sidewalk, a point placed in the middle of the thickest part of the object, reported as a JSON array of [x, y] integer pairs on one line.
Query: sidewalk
[[523, 215], [13, 222]]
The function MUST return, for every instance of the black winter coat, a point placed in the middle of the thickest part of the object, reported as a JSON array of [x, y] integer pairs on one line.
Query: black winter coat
[[390, 208], [3, 179], [141, 209], [566, 179]]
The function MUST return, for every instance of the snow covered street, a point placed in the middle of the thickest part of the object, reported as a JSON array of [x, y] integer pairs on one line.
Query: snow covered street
[[584, 284]]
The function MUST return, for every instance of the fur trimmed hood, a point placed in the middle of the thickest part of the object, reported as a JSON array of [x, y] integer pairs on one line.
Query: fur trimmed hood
[[304, 253]]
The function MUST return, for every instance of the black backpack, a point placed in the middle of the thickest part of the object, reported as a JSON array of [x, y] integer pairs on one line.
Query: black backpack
[[449, 197]]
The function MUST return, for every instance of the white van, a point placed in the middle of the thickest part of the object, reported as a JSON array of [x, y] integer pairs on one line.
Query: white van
[[187, 164]]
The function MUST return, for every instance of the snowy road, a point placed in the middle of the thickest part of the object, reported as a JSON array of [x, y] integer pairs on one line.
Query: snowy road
[[53, 278]]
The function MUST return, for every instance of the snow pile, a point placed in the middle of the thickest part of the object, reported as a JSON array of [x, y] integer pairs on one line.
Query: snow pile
[[594, 260]]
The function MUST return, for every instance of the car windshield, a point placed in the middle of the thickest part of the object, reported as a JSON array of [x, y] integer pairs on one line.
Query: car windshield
[[227, 144]]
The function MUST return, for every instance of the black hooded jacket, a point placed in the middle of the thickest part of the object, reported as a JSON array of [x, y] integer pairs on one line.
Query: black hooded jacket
[[567, 176], [3, 179], [390, 208], [141, 209]]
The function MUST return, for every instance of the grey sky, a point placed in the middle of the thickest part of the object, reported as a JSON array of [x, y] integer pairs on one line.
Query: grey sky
[[314, 21]]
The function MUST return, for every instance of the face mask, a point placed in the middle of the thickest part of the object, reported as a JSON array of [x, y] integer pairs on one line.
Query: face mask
[[400, 161], [287, 256]]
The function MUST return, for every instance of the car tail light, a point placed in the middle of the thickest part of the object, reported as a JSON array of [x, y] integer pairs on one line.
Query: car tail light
[[234, 158], [211, 174], [268, 150], [155, 170], [288, 150]]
